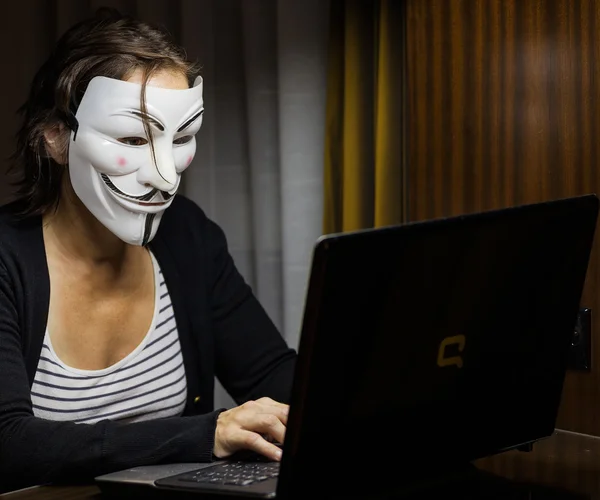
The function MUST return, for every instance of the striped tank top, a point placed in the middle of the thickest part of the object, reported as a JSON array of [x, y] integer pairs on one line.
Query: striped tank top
[[147, 384]]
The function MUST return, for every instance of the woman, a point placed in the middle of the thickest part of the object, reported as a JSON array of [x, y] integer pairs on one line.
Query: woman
[[119, 301]]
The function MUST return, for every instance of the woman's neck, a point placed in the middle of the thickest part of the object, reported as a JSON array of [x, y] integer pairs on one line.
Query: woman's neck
[[73, 234]]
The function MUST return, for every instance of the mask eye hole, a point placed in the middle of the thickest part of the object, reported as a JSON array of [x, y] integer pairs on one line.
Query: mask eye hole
[[183, 140], [133, 141]]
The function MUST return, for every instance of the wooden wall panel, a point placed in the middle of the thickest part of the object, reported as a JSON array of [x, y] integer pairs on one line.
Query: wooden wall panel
[[503, 109]]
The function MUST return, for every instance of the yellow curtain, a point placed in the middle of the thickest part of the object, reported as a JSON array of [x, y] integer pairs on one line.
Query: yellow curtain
[[364, 165]]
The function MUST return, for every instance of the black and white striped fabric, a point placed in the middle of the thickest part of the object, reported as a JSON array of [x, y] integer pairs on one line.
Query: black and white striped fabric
[[147, 384]]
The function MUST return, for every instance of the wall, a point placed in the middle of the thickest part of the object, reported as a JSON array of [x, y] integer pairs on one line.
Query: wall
[[503, 109], [23, 55]]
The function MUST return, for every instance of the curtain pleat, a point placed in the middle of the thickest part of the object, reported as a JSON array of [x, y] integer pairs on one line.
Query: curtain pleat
[[364, 168]]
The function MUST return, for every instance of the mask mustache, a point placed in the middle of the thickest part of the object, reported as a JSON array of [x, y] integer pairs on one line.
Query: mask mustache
[[144, 197]]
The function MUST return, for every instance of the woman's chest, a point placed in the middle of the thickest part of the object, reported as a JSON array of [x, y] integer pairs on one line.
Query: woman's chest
[[92, 328]]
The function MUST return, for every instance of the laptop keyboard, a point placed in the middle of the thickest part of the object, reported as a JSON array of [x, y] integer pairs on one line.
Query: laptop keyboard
[[234, 473]]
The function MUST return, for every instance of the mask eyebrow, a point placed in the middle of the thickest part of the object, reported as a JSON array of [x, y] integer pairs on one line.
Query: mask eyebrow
[[191, 120], [152, 120]]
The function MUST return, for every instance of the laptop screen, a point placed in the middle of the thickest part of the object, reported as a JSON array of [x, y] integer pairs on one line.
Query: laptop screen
[[443, 340]]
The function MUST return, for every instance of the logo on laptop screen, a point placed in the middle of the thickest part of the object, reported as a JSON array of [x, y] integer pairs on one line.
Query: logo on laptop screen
[[449, 351]]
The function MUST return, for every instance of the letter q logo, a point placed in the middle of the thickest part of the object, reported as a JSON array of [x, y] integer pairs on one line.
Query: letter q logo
[[442, 360]]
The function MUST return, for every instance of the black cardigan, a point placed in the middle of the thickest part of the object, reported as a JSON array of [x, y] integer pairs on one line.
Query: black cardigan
[[224, 332]]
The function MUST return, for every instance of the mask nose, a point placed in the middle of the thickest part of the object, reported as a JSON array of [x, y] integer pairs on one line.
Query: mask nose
[[161, 175]]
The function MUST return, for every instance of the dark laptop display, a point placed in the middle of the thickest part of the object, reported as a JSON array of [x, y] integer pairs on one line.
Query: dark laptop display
[[435, 342]]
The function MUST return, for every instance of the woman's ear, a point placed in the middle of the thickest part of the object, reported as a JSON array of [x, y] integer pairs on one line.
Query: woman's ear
[[56, 141]]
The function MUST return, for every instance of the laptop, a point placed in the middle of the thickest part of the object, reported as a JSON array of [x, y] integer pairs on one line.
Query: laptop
[[424, 346]]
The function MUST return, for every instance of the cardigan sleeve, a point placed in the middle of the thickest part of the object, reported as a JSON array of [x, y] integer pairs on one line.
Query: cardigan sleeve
[[252, 359], [34, 451]]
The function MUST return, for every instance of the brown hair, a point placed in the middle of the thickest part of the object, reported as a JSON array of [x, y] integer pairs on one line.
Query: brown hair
[[109, 44]]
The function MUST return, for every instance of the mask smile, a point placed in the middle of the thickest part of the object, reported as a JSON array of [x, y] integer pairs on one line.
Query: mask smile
[[153, 199]]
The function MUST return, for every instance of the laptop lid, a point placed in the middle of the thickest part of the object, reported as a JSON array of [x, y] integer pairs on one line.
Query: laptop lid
[[437, 342]]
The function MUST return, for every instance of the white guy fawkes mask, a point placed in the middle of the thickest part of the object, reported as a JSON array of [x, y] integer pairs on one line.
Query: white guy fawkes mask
[[111, 165]]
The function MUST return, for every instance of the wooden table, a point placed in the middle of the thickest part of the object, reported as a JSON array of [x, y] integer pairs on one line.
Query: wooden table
[[567, 461], [564, 466]]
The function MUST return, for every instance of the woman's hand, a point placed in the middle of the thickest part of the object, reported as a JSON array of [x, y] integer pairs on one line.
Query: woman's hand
[[254, 426]]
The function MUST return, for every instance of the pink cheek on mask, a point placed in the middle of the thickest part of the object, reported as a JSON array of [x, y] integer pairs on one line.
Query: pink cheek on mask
[[189, 160], [121, 162]]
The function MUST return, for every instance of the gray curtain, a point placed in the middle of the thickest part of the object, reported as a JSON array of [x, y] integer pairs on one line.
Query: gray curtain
[[259, 164]]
